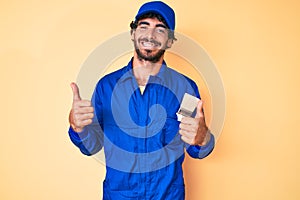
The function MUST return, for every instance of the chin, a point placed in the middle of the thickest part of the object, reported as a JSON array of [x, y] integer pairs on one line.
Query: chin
[[150, 55]]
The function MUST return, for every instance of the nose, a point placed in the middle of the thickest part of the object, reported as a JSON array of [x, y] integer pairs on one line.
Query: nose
[[150, 33]]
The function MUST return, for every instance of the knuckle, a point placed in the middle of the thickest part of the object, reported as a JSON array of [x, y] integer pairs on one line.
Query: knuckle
[[183, 138], [184, 119], [78, 124], [75, 117], [74, 110], [76, 104], [180, 132], [89, 121], [180, 125], [88, 102], [195, 128], [92, 115], [83, 123]]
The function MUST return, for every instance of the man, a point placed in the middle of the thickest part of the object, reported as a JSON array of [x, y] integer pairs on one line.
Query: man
[[132, 115]]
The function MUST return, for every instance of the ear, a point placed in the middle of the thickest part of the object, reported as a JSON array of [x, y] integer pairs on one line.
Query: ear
[[169, 43], [132, 33]]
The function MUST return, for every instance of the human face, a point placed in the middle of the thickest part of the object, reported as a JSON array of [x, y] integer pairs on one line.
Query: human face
[[151, 39]]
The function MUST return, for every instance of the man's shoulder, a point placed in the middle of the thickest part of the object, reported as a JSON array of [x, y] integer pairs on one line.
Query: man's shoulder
[[115, 74], [112, 76], [109, 80], [172, 73], [178, 82]]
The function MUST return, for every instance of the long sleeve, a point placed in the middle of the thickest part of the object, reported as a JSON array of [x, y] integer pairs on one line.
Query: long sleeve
[[196, 151], [200, 152], [90, 140]]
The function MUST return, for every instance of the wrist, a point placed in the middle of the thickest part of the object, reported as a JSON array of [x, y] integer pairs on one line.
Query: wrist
[[71, 122], [76, 129], [206, 138]]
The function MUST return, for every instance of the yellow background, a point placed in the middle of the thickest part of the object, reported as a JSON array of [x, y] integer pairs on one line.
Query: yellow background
[[255, 45]]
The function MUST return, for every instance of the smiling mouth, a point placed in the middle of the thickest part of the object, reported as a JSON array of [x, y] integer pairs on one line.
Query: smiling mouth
[[149, 44]]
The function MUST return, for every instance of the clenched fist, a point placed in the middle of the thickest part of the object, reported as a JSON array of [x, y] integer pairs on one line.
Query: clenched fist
[[82, 111], [194, 130]]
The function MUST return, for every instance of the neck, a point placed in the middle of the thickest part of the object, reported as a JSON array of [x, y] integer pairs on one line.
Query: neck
[[142, 69]]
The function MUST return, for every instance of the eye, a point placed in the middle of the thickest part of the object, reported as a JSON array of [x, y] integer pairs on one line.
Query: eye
[[161, 30], [143, 27]]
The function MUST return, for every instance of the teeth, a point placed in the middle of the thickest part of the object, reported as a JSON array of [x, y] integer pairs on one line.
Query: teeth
[[148, 44]]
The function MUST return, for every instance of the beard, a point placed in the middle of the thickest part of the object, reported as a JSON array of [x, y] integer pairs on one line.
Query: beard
[[149, 56]]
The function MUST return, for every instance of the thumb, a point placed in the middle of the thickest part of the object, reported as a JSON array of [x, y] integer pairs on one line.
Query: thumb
[[199, 109], [75, 89]]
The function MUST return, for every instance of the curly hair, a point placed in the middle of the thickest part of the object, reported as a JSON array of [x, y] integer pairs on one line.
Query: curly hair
[[134, 24]]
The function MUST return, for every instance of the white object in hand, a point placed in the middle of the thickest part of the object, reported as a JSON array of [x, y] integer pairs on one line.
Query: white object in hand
[[187, 107]]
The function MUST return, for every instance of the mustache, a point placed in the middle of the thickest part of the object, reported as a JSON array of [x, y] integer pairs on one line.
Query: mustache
[[149, 40]]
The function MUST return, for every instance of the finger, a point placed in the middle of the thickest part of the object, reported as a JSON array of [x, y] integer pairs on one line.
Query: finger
[[188, 127], [84, 123], [187, 140], [82, 117], [82, 103], [87, 122], [75, 89], [83, 110], [187, 134], [199, 113], [186, 120], [189, 121]]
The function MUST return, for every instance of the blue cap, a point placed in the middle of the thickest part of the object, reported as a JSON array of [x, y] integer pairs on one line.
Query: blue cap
[[160, 8]]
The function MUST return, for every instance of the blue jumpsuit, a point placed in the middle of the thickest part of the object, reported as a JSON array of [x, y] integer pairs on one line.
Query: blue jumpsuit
[[139, 134]]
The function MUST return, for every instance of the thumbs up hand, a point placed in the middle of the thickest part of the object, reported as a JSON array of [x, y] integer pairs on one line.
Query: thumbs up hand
[[194, 130], [82, 111]]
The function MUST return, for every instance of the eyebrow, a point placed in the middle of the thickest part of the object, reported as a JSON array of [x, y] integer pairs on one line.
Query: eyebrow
[[161, 25], [157, 25], [145, 23]]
